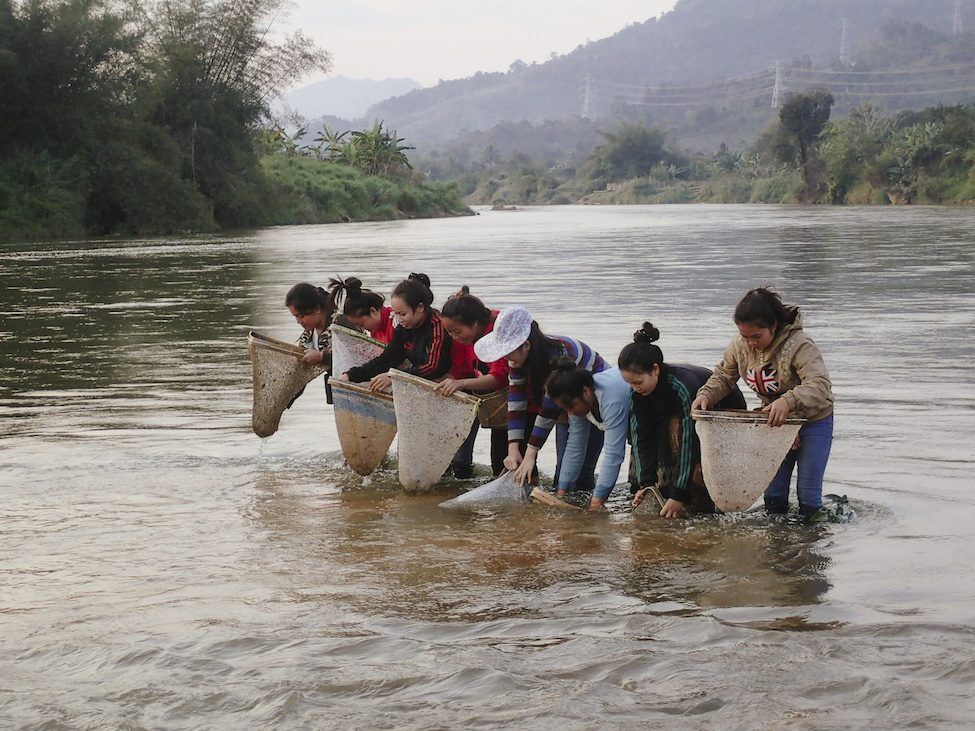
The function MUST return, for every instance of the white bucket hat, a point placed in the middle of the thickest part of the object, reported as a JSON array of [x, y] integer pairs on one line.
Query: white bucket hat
[[511, 329]]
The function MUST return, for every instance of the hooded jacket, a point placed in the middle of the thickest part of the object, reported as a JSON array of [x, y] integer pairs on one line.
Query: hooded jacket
[[791, 367]]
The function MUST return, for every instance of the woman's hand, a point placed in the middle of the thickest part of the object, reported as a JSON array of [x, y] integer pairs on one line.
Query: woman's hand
[[523, 473], [381, 383], [700, 404], [513, 459], [343, 377], [672, 509], [449, 386], [639, 496], [313, 357], [778, 412]]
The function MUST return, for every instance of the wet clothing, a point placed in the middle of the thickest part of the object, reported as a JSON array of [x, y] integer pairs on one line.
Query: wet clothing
[[666, 449], [522, 402], [387, 326], [426, 348], [791, 368], [611, 417], [815, 442]]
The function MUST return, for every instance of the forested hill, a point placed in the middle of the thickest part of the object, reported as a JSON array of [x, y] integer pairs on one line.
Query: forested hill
[[696, 43]]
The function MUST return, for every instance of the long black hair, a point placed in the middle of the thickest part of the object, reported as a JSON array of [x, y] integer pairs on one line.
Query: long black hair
[[358, 302], [542, 352], [306, 298], [763, 307], [415, 291], [567, 380], [466, 309]]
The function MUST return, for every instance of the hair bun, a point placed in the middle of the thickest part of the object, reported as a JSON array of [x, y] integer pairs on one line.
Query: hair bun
[[563, 363], [353, 286], [647, 334], [465, 290], [421, 278]]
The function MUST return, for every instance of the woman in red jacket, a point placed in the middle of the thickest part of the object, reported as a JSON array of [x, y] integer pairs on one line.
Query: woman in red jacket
[[364, 308], [467, 320]]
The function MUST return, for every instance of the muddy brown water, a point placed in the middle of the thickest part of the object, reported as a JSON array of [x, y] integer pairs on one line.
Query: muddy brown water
[[162, 567]]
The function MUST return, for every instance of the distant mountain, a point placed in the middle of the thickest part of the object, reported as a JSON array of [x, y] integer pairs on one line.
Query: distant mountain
[[343, 97], [698, 42]]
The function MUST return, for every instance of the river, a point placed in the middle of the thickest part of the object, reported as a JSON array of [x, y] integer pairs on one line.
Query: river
[[162, 567]]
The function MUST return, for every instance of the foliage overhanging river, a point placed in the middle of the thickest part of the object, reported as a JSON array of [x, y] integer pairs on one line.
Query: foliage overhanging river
[[160, 566]]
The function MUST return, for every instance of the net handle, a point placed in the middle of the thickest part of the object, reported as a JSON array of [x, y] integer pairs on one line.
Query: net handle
[[432, 385]]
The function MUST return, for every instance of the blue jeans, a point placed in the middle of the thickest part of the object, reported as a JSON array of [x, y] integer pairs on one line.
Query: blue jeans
[[815, 440], [587, 476]]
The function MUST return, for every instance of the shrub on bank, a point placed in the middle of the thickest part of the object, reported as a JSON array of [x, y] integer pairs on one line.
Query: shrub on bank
[[302, 190]]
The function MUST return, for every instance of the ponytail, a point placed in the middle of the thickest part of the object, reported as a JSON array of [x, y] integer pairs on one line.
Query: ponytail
[[415, 291], [467, 309], [358, 301]]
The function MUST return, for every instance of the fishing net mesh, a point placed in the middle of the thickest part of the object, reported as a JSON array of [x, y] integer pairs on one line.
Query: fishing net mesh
[[740, 456], [431, 430], [500, 491], [350, 350], [278, 379]]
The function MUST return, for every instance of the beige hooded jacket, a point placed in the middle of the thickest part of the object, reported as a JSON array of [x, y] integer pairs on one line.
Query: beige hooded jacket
[[791, 367]]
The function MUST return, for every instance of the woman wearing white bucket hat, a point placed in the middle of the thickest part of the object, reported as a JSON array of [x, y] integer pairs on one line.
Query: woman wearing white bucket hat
[[531, 413]]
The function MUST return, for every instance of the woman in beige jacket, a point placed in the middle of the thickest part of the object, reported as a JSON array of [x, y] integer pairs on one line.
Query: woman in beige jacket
[[785, 368]]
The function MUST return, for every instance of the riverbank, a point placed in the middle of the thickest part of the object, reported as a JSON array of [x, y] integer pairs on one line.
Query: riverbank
[[288, 191], [787, 188], [303, 191]]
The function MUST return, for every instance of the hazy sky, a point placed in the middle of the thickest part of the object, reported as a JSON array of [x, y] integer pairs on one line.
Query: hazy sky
[[447, 39]]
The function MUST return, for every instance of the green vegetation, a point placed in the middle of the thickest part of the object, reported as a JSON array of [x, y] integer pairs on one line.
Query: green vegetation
[[304, 190], [803, 157], [148, 118]]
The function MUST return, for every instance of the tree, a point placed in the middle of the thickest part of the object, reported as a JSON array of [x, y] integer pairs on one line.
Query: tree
[[630, 151], [802, 120]]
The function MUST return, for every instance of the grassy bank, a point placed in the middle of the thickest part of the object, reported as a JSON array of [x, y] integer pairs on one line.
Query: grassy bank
[[301, 190], [56, 203]]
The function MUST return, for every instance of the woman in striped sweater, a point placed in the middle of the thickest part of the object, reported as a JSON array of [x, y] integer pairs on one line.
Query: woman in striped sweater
[[666, 451], [531, 412]]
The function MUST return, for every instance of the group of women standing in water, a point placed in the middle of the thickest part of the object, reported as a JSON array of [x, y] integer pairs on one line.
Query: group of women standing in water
[[643, 400]]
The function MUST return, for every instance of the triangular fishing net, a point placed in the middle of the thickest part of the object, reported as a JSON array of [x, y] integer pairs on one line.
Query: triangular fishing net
[[431, 429], [740, 454], [279, 375]]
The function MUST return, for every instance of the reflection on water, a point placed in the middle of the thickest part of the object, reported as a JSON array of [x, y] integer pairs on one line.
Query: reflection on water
[[161, 566]]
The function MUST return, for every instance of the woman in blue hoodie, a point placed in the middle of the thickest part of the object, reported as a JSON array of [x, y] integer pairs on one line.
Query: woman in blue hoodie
[[592, 401]]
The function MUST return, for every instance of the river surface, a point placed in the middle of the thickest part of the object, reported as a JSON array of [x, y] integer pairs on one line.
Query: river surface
[[162, 567]]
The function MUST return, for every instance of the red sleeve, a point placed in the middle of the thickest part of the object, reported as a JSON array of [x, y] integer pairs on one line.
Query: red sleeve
[[499, 369]]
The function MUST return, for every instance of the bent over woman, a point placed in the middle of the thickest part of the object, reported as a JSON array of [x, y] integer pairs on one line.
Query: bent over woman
[[666, 449]]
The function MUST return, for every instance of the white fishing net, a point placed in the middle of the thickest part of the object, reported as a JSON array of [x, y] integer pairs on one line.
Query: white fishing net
[[279, 375], [496, 493], [740, 455], [366, 425], [351, 349], [431, 429]]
